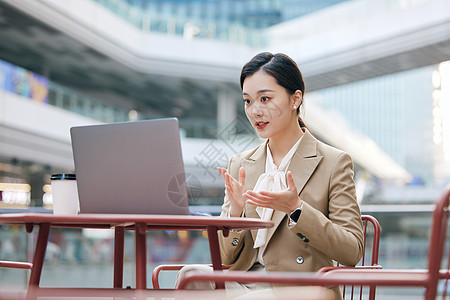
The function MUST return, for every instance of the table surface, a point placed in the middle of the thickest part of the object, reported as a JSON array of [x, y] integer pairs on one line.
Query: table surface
[[112, 220]]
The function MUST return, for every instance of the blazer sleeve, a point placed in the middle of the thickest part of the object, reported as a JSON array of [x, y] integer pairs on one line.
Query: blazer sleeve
[[338, 235], [232, 245]]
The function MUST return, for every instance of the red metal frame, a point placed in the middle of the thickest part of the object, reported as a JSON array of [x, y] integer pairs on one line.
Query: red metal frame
[[158, 269], [333, 278], [39, 254], [365, 277], [119, 238], [437, 244], [15, 265], [376, 237], [139, 223]]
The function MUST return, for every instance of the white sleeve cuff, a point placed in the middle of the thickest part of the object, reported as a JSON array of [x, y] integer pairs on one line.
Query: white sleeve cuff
[[291, 223]]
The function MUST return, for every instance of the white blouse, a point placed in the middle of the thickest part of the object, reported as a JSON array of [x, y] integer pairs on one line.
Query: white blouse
[[274, 179]]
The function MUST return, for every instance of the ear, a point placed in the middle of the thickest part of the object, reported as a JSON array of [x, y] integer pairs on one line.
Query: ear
[[297, 98]]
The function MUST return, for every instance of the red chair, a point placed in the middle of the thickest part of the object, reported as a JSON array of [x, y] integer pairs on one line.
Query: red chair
[[158, 269], [371, 228], [373, 231], [16, 264], [428, 278], [439, 244]]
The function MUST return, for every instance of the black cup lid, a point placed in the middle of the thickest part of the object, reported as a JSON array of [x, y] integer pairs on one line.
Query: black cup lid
[[63, 177]]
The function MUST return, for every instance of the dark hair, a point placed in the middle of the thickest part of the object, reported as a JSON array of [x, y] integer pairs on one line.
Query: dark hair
[[279, 66]]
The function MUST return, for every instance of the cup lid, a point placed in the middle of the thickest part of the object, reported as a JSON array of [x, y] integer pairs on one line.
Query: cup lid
[[64, 176]]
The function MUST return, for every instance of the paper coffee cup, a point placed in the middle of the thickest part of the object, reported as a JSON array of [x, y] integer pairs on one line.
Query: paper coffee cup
[[65, 194]]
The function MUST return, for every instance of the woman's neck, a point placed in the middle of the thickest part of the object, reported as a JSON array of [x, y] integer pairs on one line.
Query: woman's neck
[[281, 144]]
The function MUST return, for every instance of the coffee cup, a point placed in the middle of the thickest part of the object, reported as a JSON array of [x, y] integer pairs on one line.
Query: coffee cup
[[65, 194]]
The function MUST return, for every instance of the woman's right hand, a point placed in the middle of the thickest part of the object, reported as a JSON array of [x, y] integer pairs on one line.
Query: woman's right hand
[[235, 189]]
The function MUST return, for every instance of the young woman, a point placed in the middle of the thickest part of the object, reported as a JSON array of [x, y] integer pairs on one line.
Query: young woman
[[303, 185]]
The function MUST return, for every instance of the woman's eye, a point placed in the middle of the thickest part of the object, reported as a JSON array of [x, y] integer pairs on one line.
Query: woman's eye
[[265, 99], [246, 101]]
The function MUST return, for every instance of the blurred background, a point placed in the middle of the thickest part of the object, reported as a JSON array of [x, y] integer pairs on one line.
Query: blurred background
[[377, 76]]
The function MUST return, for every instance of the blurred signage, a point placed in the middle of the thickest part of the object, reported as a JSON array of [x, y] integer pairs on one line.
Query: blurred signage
[[23, 82]]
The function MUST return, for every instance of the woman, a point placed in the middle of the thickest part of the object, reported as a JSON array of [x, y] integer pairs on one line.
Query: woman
[[303, 185]]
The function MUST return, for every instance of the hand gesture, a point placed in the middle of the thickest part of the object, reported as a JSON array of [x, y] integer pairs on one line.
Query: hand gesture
[[234, 189], [285, 201]]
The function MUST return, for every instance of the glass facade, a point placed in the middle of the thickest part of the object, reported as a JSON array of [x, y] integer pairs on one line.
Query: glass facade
[[441, 122], [238, 21], [396, 112]]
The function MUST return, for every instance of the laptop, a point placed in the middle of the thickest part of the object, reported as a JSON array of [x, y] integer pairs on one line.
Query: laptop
[[130, 168]]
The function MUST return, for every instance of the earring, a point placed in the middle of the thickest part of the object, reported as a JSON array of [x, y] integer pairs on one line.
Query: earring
[[295, 106]]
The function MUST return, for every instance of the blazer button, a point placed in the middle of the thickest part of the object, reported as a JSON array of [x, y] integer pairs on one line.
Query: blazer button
[[299, 260], [235, 242]]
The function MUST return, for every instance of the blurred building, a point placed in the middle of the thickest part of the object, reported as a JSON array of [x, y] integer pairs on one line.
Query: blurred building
[[382, 108], [370, 67]]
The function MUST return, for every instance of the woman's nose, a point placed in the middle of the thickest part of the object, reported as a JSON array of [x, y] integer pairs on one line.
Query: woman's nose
[[257, 110]]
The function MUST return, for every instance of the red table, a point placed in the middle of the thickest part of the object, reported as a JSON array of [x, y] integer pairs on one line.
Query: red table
[[120, 222]]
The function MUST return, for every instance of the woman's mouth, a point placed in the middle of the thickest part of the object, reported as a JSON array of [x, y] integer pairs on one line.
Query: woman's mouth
[[261, 125]]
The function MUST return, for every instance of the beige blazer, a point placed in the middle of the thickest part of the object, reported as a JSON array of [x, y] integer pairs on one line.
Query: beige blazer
[[329, 227]]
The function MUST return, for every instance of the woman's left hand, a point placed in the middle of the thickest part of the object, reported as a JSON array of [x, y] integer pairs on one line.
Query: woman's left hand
[[285, 201]]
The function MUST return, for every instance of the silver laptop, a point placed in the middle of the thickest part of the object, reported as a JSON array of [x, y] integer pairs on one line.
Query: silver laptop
[[130, 168]]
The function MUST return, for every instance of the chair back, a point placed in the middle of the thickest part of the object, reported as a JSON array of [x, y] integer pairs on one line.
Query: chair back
[[371, 243], [436, 257], [372, 230]]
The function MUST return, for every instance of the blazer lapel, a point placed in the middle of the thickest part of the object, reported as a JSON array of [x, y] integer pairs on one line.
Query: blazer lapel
[[304, 161], [254, 166]]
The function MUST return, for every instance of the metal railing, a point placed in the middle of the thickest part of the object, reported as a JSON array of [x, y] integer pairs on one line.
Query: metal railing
[[73, 101], [84, 105]]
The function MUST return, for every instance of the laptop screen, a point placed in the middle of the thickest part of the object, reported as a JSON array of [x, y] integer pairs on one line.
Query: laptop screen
[[130, 168]]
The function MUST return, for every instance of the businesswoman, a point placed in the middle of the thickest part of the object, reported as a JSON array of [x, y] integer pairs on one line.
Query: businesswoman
[[303, 185]]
